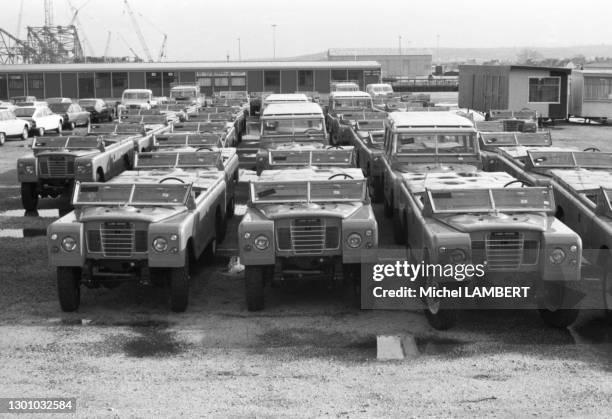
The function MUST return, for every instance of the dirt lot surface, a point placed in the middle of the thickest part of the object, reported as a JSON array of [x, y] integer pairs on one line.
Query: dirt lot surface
[[310, 353]]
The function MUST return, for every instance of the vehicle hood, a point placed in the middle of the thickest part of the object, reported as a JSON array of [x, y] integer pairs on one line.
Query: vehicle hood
[[74, 153], [322, 209], [147, 214], [468, 223]]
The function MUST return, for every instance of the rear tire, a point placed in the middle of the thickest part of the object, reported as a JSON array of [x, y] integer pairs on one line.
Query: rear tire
[[607, 291], [29, 196], [254, 282], [179, 286], [438, 317], [72, 126], [69, 287]]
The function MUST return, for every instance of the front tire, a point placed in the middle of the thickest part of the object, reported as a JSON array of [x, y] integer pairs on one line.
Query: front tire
[[552, 299], [254, 282], [29, 196], [179, 286], [25, 134], [607, 292], [69, 287], [2, 138], [72, 126]]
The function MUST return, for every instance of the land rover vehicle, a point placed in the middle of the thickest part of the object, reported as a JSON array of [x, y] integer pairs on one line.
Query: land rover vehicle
[[41, 119], [98, 109], [424, 141], [305, 223], [147, 226], [525, 120], [224, 129], [140, 134], [488, 219], [11, 126], [297, 126], [283, 98], [72, 114], [379, 90], [498, 147], [137, 99], [344, 86], [343, 110], [57, 162], [368, 136], [188, 95]]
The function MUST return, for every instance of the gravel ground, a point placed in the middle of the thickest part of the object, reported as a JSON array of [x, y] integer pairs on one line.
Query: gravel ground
[[310, 353]]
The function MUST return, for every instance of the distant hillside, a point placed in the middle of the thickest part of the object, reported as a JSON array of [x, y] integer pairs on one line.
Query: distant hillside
[[487, 54]]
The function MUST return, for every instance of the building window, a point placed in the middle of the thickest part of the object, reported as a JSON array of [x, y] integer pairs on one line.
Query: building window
[[103, 84], [120, 83], [86, 85], [16, 81], [238, 81], [36, 81], [597, 89], [338, 75], [305, 80], [272, 81], [221, 81], [170, 78], [544, 89]]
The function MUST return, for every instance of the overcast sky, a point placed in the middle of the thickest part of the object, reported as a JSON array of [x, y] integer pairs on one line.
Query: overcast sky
[[208, 30]]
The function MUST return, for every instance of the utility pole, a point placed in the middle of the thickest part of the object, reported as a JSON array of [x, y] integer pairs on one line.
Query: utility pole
[[274, 41], [400, 44], [239, 52]]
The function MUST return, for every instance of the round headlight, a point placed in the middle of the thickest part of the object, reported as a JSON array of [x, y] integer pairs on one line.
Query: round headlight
[[557, 256], [458, 256], [160, 244], [573, 248], [261, 242], [353, 240], [69, 243]]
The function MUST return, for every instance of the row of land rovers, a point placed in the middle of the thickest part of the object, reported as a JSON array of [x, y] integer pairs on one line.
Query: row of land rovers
[[507, 200]]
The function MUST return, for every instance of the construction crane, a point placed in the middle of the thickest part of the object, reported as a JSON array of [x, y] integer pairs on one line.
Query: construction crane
[[108, 38], [136, 56], [77, 23], [48, 13], [162, 49], [18, 31], [138, 32]]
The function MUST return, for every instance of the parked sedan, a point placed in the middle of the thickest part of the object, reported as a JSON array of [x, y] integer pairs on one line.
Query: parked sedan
[[41, 119], [11, 126], [100, 111], [72, 113]]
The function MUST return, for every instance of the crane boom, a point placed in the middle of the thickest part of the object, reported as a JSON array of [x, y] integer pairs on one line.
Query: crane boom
[[130, 48], [108, 39], [138, 32], [77, 23], [17, 32], [162, 50]]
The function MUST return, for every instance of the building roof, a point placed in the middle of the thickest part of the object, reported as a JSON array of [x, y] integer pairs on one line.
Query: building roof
[[429, 120], [182, 66], [595, 71], [296, 108], [373, 51], [515, 67]]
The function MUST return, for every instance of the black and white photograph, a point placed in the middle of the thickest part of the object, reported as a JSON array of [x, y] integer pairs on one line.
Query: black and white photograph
[[273, 209]]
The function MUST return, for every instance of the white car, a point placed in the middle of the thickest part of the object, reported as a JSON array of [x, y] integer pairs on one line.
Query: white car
[[41, 119], [10, 126]]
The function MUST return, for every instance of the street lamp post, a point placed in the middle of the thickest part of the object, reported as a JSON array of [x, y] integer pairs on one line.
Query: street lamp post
[[239, 52], [274, 41]]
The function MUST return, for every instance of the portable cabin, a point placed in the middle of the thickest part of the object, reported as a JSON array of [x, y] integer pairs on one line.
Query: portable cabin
[[591, 93]]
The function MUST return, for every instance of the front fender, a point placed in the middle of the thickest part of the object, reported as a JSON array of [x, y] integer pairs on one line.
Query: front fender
[[56, 232], [249, 254], [22, 175]]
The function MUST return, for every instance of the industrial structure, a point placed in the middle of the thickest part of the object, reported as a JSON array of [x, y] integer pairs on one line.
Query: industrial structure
[[394, 62], [108, 80]]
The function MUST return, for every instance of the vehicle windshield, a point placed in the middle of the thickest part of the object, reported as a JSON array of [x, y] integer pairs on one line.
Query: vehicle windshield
[[59, 107], [121, 194], [24, 111], [320, 191], [561, 159], [136, 96], [310, 126], [407, 143], [193, 140], [85, 142], [489, 200], [179, 159], [349, 103], [182, 94]]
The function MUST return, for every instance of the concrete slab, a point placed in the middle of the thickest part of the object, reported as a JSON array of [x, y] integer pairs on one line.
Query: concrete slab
[[393, 348]]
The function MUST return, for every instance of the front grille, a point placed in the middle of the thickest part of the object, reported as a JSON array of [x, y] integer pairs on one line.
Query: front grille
[[308, 236], [116, 239], [503, 251], [56, 166]]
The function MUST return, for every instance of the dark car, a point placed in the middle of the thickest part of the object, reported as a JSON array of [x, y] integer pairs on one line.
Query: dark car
[[72, 114], [100, 111]]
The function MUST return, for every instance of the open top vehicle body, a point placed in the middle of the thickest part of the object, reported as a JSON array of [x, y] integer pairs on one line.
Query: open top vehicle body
[[56, 162], [489, 219], [524, 120], [344, 109], [305, 223], [221, 128]]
